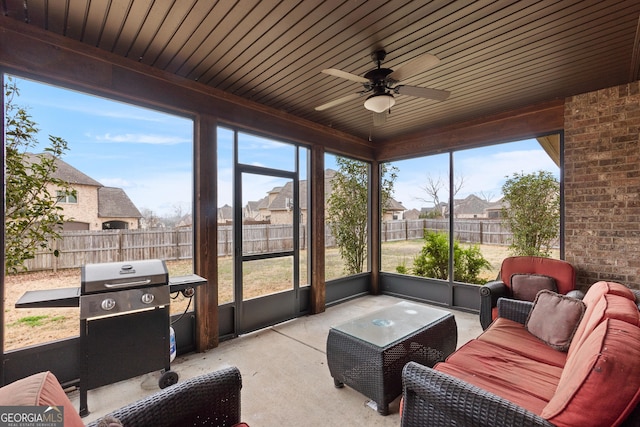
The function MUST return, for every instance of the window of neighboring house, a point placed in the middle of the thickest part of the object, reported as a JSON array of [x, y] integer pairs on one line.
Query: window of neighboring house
[[66, 197], [142, 162]]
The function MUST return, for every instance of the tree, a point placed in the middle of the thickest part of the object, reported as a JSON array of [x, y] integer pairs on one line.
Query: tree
[[149, 219], [347, 208], [532, 212], [433, 187], [33, 217]]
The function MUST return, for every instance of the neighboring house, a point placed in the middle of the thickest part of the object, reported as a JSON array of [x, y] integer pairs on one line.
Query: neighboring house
[[433, 211], [393, 210], [411, 214], [470, 207], [225, 214], [280, 206], [116, 210], [494, 211], [94, 206], [276, 206]]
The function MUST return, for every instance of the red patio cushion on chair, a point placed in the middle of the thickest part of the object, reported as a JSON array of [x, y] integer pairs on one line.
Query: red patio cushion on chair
[[562, 271]]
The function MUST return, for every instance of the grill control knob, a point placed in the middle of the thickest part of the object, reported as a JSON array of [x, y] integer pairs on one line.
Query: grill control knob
[[147, 298], [108, 304]]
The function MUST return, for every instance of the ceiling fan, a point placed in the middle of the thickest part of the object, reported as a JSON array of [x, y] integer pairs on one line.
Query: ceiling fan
[[384, 82]]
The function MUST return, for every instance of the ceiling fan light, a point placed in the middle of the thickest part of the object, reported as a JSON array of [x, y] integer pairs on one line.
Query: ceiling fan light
[[379, 103]]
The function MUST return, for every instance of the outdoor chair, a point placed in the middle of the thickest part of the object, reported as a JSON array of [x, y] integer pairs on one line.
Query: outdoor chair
[[521, 277], [211, 399]]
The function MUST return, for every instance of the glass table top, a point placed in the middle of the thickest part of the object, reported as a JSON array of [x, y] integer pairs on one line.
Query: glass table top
[[390, 324]]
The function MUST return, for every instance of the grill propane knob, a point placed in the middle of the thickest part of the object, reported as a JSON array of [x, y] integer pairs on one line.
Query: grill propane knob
[[147, 298], [108, 304]]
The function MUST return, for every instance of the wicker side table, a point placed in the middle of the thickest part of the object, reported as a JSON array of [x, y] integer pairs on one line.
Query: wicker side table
[[368, 353]]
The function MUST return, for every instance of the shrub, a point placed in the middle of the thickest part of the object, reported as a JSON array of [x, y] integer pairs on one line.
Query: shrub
[[433, 260], [532, 212]]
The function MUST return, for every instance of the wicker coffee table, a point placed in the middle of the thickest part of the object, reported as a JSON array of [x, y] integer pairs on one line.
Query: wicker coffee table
[[369, 352]]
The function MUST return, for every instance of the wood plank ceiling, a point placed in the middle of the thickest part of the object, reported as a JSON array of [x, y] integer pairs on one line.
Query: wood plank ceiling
[[494, 55]]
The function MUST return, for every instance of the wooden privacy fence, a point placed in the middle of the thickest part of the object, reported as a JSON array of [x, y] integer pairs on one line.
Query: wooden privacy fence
[[77, 248], [483, 232]]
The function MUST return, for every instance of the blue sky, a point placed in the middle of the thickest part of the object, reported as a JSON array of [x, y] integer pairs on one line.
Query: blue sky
[[149, 153], [145, 152]]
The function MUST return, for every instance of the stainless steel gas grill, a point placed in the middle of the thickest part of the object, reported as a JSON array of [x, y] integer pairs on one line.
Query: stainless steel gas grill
[[124, 324], [124, 320]]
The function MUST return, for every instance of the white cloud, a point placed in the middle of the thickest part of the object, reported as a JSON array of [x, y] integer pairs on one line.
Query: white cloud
[[161, 193], [141, 138]]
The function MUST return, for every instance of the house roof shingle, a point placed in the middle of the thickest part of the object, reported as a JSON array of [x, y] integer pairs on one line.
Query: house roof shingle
[[65, 171], [114, 203]]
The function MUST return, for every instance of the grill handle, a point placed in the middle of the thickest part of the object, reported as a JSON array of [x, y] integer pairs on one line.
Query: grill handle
[[127, 284]]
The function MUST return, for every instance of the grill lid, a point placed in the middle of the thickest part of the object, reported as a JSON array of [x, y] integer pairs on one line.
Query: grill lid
[[111, 276]]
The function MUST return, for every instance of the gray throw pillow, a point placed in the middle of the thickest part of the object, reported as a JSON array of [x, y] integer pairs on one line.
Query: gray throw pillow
[[554, 319], [525, 287]]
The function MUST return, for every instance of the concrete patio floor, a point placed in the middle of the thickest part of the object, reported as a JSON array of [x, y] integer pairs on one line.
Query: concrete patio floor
[[285, 378]]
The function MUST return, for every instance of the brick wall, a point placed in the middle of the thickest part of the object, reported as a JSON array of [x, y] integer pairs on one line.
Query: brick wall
[[602, 185]]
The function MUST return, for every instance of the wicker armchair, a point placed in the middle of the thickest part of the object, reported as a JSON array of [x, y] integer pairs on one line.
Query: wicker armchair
[[210, 399], [562, 271]]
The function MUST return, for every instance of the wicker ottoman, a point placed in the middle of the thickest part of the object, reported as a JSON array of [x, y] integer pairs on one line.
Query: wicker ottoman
[[368, 353]]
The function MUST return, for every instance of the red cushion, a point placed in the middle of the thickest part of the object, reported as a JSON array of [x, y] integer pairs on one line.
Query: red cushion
[[562, 271], [512, 373], [494, 313], [598, 289], [513, 336], [608, 306], [41, 389], [495, 386], [600, 384]]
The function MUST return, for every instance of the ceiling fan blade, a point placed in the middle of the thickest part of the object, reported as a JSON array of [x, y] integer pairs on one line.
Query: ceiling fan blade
[[415, 66], [345, 75], [422, 92], [338, 101], [379, 118]]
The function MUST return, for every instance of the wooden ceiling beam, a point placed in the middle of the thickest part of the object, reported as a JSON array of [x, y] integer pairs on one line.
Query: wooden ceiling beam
[[58, 60], [513, 125]]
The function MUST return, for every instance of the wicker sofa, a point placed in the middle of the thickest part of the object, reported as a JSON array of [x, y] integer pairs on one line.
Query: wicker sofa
[[211, 399], [514, 374]]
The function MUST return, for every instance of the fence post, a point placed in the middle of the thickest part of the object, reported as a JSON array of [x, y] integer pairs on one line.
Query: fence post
[[55, 258], [120, 246], [177, 244]]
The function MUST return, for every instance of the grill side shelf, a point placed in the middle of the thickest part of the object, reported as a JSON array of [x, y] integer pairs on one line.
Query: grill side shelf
[[180, 283], [61, 297]]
